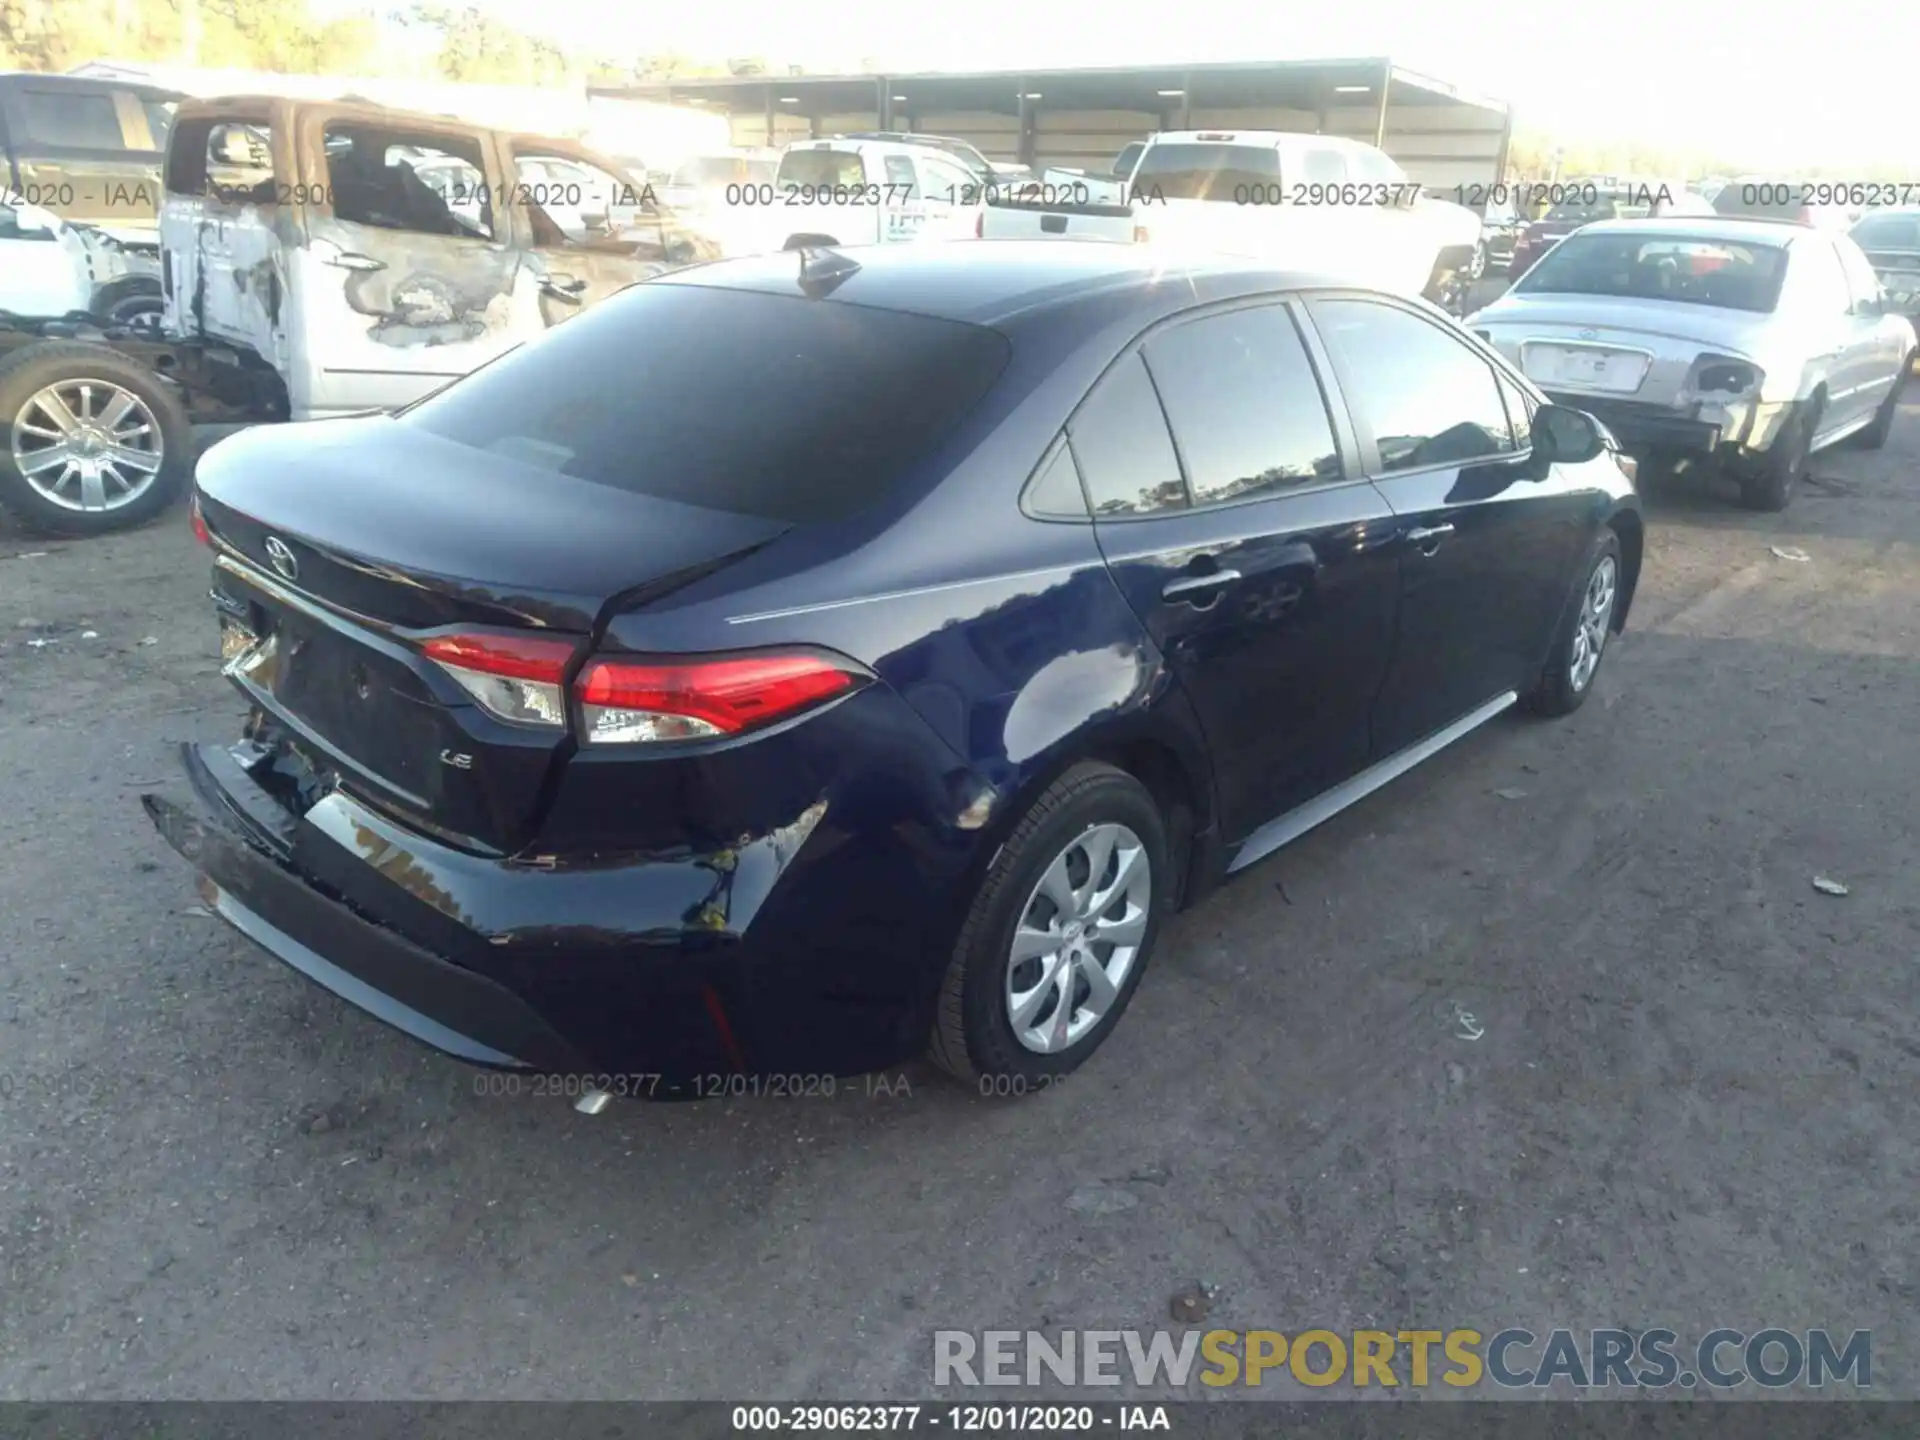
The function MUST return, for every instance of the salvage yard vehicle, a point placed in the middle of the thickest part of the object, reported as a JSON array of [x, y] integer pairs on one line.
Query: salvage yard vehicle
[[642, 734], [1313, 201], [1890, 239], [864, 192], [1582, 202], [88, 150], [315, 265], [1750, 343]]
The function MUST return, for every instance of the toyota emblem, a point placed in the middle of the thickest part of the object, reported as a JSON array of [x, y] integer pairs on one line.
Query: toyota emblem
[[282, 557]]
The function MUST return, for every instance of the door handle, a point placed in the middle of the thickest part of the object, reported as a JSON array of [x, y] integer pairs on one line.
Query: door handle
[[1421, 534], [564, 287], [1191, 585], [353, 260]]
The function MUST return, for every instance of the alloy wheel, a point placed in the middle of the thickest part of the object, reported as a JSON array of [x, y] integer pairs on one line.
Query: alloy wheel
[[87, 445], [1078, 937], [1590, 630]]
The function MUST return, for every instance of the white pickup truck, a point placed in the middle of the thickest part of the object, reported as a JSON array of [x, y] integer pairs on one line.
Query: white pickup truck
[[1308, 202], [847, 191]]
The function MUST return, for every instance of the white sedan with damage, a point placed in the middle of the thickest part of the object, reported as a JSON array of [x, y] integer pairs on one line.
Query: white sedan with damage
[[1749, 343]]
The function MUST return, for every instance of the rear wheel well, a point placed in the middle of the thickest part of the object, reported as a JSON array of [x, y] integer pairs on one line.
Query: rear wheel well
[[1182, 800], [1633, 536]]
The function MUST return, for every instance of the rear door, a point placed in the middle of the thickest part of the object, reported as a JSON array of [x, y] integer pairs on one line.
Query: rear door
[[1253, 552], [1486, 544], [1878, 350], [1840, 341], [87, 152]]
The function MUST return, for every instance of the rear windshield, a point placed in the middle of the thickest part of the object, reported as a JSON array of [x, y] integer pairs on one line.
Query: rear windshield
[[815, 168], [1207, 172], [1690, 270], [714, 171], [1777, 200], [1590, 207], [774, 406]]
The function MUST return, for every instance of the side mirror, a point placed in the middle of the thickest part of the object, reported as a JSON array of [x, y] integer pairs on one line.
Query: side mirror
[[1562, 436]]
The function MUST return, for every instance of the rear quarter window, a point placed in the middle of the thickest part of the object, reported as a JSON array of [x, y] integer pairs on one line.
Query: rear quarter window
[[773, 406]]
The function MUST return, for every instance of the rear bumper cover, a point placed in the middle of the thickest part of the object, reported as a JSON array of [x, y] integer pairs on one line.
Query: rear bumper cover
[[1698, 430], [680, 969], [230, 838]]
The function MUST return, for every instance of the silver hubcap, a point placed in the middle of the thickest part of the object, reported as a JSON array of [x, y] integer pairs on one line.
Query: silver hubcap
[[1596, 611], [1078, 937], [87, 445]]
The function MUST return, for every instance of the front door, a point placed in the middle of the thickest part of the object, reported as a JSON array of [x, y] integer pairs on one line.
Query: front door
[[1485, 539], [592, 232], [398, 289], [1250, 550]]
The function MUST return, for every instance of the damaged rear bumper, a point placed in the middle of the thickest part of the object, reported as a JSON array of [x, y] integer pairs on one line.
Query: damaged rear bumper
[[240, 842]]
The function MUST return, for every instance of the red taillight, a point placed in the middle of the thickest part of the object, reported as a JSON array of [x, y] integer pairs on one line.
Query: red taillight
[[634, 701], [980, 224], [200, 531], [1141, 235], [516, 678]]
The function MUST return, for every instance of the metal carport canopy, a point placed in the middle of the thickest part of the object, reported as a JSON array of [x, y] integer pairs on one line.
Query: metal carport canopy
[[1441, 135]]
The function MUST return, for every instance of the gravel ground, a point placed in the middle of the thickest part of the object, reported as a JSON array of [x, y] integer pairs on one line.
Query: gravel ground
[[1691, 1103]]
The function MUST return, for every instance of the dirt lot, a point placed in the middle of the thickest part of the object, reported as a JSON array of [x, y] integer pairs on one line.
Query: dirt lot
[[1691, 1103]]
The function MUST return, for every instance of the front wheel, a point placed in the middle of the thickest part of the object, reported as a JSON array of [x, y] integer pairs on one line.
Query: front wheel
[[1575, 661], [1058, 935]]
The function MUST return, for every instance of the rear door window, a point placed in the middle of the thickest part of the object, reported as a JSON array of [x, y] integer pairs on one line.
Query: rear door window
[[1245, 408], [376, 179], [1120, 440], [1208, 171], [643, 392]]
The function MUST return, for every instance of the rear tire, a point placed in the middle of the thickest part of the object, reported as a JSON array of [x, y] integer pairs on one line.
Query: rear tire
[[1875, 435], [1574, 663], [1785, 463], [28, 429], [1092, 816]]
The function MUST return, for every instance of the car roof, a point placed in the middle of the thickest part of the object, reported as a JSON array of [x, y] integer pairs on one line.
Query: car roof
[[1756, 230], [91, 83], [990, 282], [1224, 135]]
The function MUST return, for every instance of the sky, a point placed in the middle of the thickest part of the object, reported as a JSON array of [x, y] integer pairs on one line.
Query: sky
[[1806, 85]]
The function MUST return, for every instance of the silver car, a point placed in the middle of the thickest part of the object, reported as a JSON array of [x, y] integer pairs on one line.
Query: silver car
[[1752, 343]]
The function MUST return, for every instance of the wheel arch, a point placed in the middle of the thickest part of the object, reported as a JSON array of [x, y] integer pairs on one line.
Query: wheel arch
[[1631, 530]]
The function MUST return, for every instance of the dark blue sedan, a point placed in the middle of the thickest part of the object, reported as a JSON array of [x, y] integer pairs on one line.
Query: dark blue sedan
[[797, 664]]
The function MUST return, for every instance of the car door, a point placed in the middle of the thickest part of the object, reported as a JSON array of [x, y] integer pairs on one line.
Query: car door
[[1234, 520], [1835, 343], [591, 231], [1485, 539], [1877, 349]]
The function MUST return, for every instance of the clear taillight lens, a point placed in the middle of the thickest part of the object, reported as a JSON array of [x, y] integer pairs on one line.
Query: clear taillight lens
[[627, 702], [634, 700], [517, 678], [200, 531]]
